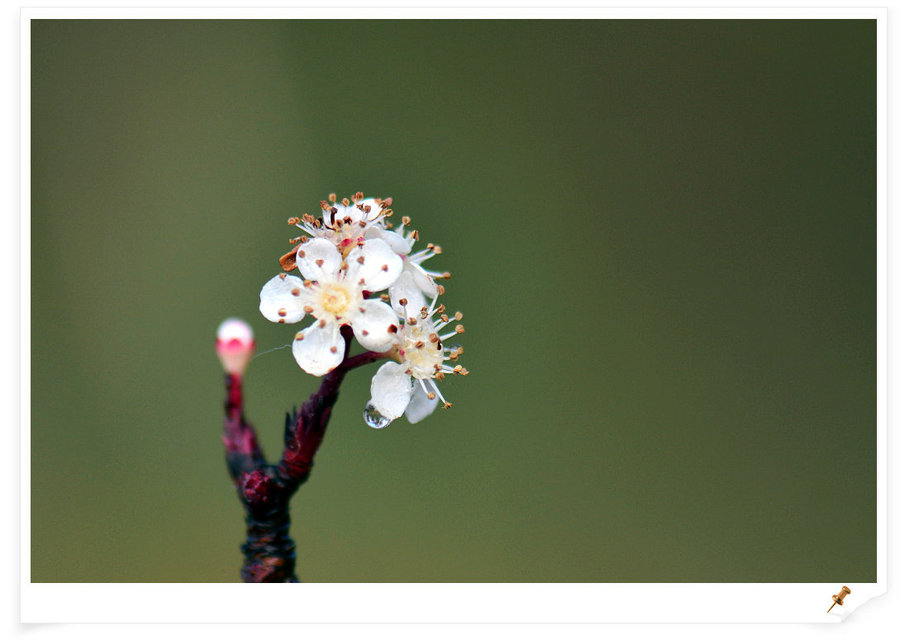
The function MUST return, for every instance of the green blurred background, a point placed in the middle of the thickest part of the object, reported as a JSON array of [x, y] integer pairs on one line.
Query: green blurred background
[[662, 234]]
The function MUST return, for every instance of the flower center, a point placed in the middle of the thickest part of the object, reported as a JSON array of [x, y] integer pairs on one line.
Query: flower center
[[419, 351], [335, 299]]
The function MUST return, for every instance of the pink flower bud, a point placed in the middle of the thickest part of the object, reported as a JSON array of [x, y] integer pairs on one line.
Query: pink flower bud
[[235, 345]]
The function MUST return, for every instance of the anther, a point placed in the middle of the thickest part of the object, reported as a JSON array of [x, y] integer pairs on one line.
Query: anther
[[282, 312], [333, 349], [295, 292], [384, 267], [458, 315], [446, 275], [320, 262], [431, 395], [460, 329], [403, 302], [282, 275], [322, 324], [345, 202], [405, 220], [392, 328], [441, 309], [332, 197], [325, 206], [298, 337], [361, 259], [387, 202], [441, 289], [301, 253], [420, 344], [307, 309], [447, 405]]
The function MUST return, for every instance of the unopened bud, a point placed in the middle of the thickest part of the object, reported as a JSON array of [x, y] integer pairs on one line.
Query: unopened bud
[[235, 345]]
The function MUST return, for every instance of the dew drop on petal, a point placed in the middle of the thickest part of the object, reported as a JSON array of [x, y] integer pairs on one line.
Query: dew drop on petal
[[375, 419]]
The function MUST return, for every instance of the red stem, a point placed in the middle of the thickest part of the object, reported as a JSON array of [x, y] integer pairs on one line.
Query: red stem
[[265, 490]]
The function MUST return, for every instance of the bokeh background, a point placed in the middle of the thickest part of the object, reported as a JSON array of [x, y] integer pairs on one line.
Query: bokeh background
[[662, 234]]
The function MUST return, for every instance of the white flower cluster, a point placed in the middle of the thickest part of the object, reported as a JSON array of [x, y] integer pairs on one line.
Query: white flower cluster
[[349, 255]]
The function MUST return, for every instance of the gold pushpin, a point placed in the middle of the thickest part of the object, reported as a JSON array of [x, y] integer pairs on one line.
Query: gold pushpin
[[839, 598]]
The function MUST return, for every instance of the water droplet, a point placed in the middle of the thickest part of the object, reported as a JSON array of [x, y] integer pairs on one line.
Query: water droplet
[[375, 419]]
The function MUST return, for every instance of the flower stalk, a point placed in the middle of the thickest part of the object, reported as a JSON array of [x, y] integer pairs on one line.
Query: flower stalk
[[264, 489]]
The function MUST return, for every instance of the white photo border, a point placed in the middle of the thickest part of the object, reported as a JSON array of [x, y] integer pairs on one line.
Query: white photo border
[[446, 603]]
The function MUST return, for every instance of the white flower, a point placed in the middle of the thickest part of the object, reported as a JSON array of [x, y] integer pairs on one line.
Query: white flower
[[349, 223], [410, 385], [334, 294], [414, 282], [345, 223]]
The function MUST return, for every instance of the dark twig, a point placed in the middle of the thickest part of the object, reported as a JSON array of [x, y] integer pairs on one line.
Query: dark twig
[[265, 490]]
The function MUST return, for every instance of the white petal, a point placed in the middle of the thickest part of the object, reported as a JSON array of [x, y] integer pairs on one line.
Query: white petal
[[282, 299], [319, 349], [423, 280], [374, 209], [341, 212], [372, 325], [406, 288], [375, 264], [420, 407], [396, 242], [318, 260], [391, 389]]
